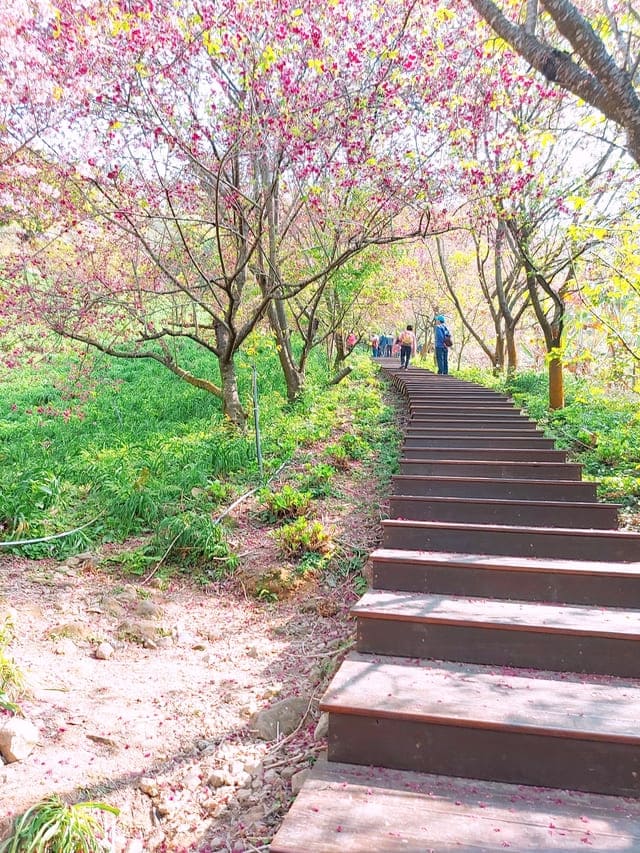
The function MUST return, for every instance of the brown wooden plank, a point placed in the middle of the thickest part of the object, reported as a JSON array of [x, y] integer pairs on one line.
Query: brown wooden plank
[[346, 808], [540, 513], [491, 439], [577, 581], [521, 541], [475, 697], [512, 464], [494, 613], [474, 487], [495, 452]]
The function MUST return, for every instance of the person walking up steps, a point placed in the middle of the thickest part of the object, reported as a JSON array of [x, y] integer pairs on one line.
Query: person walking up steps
[[407, 346], [442, 342]]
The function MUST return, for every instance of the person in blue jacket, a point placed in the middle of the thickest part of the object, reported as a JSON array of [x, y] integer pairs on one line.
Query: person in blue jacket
[[442, 350]]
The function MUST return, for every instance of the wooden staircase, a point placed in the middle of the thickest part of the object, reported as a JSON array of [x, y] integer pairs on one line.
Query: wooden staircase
[[494, 697]]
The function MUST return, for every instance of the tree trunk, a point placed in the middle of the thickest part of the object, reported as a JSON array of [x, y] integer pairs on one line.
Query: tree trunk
[[293, 377], [512, 352], [556, 385], [498, 363], [231, 406]]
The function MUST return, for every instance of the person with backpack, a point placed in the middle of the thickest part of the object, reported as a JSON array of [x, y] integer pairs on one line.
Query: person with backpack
[[443, 341], [407, 346]]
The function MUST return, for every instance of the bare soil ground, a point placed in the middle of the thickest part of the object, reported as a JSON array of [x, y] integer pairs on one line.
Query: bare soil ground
[[163, 727]]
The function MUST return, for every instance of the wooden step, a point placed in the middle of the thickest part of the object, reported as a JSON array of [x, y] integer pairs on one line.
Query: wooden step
[[505, 511], [347, 808], [508, 420], [552, 542], [488, 454], [491, 439], [560, 637], [472, 721], [526, 430], [487, 487], [462, 463], [484, 407], [608, 584], [453, 395]]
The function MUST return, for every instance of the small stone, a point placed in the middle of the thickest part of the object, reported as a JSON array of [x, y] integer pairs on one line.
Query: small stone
[[217, 779], [148, 786], [243, 779], [252, 816], [242, 795], [212, 807], [281, 719], [134, 845], [148, 609], [298, 779], [322, 728], [18, 737], [104, 651], [65, 646], [192, 780]]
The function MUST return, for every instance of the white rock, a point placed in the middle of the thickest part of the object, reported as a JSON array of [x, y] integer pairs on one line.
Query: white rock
[[18, 738], [104, 652]]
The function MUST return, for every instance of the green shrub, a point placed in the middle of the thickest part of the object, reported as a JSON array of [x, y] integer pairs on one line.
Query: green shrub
[[286, 503], [12, 683], [192, 540], [302, 536], [317, 480], [338, 456]]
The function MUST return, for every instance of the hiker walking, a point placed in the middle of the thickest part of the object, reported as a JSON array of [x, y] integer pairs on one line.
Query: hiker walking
[[407, 346], [443, 341]]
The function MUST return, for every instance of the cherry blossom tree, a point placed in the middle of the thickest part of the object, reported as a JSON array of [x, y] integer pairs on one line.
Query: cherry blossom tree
[[590, 49], [209, 163]]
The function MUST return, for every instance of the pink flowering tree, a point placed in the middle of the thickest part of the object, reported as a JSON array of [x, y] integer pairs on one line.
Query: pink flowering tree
[[590, 48], [204, 165]]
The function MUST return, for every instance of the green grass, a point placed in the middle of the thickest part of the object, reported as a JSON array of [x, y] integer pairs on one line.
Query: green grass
[[113, 449], [599, 428], [52, 826]]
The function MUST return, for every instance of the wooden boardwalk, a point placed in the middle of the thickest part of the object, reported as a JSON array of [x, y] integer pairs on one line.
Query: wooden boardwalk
[[493, 700]]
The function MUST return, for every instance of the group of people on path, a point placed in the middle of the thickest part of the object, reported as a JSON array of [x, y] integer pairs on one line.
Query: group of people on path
[[384, 346]]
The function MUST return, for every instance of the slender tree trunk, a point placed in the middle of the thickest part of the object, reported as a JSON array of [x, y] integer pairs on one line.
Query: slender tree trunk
[[293, 377], [512, 352], [556, 384], [231, 406], [498, 364]]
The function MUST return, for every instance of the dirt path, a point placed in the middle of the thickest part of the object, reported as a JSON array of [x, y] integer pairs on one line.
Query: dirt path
[[161, 728]]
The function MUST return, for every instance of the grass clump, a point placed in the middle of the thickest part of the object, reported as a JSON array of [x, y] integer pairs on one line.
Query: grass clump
[[53, 826], [12, 683], [303, 536], [287, 503]]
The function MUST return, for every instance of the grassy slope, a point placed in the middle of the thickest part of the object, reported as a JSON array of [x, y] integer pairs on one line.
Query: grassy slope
[[132, 449]]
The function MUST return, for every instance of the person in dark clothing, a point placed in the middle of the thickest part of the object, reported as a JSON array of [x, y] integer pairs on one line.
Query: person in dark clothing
[[442, 350]]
